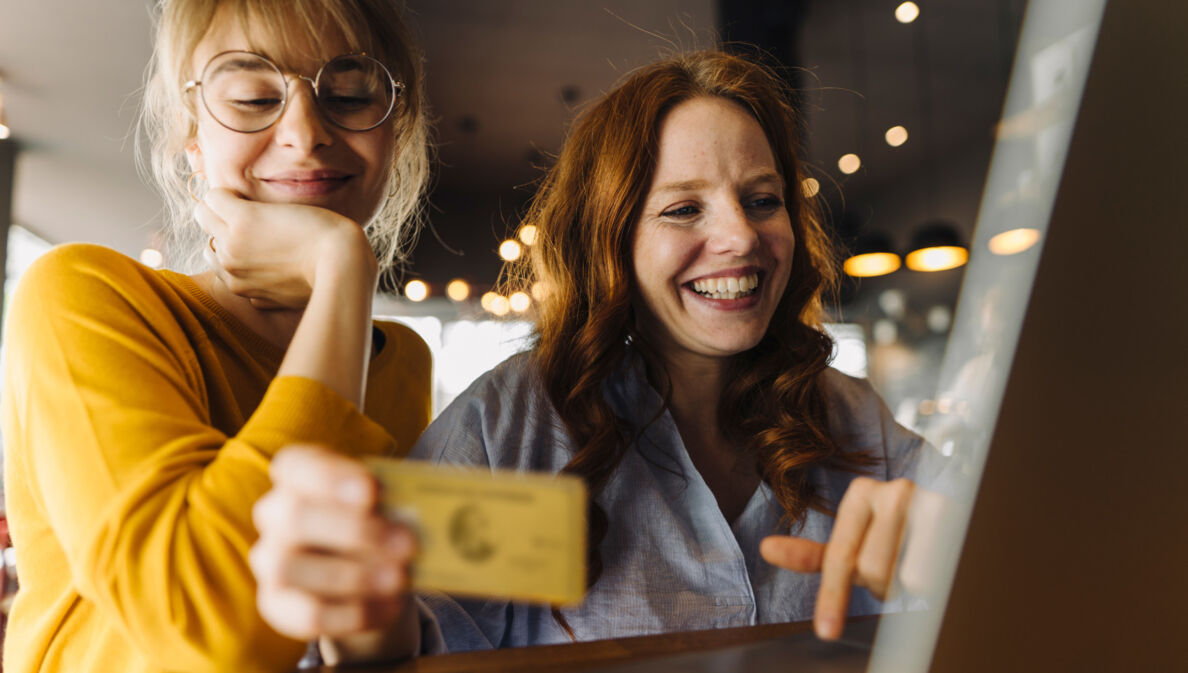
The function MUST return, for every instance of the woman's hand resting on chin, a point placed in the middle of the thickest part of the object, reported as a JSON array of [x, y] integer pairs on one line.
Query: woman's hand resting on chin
[[274, 253]]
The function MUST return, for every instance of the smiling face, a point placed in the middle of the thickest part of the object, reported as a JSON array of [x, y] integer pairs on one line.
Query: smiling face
[[712, 250], [303, 157]]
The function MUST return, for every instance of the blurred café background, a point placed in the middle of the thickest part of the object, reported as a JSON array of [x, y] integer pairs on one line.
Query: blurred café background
[[901, 104]]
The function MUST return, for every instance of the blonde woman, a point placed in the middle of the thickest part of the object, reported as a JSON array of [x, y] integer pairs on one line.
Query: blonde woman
[[142, 408]]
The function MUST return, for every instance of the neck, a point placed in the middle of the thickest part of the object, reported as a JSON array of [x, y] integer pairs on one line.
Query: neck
[[696, 389], [276, 325]]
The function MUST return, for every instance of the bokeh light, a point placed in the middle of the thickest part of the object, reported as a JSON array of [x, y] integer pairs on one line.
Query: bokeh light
[[896, 136], [849, 163], [907, 12], [416, 290], [509, 250], [458, 290]]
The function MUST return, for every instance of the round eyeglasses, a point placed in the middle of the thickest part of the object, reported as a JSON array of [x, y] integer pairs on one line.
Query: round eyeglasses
[[247, 92]]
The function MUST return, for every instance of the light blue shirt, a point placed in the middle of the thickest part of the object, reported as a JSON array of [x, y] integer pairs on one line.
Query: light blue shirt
[[671, 560]]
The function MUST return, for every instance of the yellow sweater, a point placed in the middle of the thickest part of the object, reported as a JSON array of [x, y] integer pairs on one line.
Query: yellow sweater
[[139, 419]]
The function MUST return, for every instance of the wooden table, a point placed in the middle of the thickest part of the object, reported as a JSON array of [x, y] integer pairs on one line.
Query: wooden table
[[602, 653]]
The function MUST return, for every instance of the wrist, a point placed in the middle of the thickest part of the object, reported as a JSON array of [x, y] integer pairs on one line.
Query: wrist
[[346, 258], [399, 640]]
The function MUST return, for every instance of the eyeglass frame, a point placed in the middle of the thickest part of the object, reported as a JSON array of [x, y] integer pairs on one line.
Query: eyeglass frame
[[397, 89]]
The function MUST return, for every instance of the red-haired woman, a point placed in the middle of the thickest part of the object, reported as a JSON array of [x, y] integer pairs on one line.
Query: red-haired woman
[[680, 368]]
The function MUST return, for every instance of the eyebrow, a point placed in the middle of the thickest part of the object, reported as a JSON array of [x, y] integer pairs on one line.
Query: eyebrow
[[240, 64], [692, 185]]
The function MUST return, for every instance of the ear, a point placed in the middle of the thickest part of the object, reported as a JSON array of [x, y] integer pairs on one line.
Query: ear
[[194, 155]]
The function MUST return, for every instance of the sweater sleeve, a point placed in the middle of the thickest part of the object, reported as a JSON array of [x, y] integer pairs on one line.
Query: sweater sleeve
[[107, 416]]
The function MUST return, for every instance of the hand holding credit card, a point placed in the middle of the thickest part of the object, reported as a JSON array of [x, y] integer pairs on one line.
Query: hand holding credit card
[[490, 534]]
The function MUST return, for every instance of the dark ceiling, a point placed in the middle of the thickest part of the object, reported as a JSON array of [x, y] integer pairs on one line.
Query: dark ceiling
[[506, 78]]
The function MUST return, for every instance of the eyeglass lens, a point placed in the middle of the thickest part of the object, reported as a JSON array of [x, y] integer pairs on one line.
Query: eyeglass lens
[[246, 92]]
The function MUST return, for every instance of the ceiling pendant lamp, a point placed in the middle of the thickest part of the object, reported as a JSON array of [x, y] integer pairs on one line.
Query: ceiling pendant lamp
[[936, 246], [872, 255]]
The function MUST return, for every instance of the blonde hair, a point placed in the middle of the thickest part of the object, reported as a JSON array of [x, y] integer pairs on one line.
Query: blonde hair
[[167, 120]]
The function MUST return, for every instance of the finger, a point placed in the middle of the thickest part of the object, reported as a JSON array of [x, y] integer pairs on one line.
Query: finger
[[209, 221], [329, 577], [793, 553], [226, 203], [263, 304], [211, 259], [324, 475], [286, 520], [929, 515], [880, 549], [841, 553], [303, 616]]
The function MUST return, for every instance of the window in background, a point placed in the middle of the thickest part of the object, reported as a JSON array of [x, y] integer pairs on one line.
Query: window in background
[[23, 247]]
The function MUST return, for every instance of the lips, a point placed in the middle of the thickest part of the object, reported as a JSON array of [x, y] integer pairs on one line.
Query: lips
[[300, 183]]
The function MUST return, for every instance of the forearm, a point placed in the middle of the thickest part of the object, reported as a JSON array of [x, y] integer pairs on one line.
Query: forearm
[[332, 343]]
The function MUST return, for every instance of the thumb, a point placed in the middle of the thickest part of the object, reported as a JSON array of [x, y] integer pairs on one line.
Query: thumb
[[792, 553]]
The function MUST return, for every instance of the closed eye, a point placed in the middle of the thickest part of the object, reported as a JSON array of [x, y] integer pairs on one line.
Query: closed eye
[[255, 104], [347, 103]]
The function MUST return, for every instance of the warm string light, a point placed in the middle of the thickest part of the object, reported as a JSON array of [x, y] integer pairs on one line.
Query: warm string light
[[152, 258], [487, 301], [811, 187], [416, 290], [849, 163], [458, 290], [519, 302], [509, 250], [907, 12], [527, 234], [896, 136], [500, 305]]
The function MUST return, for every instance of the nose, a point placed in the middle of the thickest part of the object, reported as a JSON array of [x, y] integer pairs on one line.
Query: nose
[[302, 125], [732, 232]]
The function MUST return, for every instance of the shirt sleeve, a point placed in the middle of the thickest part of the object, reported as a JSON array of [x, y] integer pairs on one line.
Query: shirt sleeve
[[106, 413]]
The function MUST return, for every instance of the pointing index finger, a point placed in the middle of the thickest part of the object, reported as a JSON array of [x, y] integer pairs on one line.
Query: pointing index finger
[[841, 557]]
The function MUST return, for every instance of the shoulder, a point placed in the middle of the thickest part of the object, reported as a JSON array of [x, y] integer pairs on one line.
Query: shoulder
[[403, 342], [77, 262], [511, 387], [850, 399], [88, 279], [504, 419], [860, 421], [514, 377]]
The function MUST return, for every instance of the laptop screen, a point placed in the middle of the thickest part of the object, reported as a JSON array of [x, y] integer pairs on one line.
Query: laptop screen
[[1050, 69]]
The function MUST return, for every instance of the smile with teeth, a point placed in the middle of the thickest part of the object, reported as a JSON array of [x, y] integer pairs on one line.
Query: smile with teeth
[[730, 287]]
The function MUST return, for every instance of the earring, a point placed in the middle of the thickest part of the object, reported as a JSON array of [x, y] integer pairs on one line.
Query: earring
[[190, 183]]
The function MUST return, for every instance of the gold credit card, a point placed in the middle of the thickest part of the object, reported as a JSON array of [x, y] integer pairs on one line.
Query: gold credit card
[[491, 534]]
